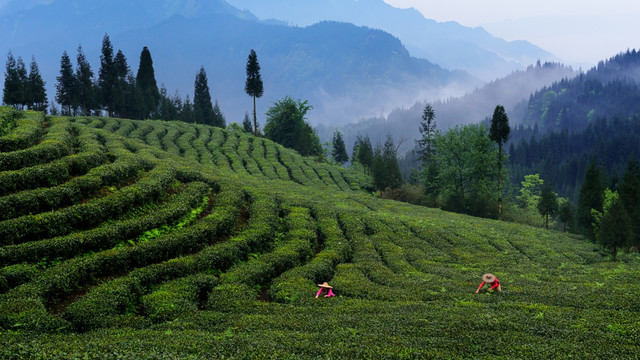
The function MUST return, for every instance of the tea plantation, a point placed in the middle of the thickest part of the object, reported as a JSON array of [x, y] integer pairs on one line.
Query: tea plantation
[[146, 239]]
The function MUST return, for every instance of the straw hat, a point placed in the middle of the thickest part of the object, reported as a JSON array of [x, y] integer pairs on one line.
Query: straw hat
[[325, 285], [488, 278]]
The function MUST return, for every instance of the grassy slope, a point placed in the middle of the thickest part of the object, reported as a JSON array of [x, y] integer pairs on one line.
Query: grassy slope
[[170, 240]]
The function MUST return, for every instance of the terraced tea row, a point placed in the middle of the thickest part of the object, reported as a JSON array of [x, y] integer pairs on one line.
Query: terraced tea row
[[155, 235], [232, 149]]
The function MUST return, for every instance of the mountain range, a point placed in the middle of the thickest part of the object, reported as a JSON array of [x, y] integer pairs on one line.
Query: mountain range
[[346, 71], [448, 44]]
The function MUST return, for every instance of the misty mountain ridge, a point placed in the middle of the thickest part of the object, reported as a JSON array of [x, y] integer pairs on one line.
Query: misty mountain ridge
[[608, 91], [346, 72], [512, 91], [448, 44]]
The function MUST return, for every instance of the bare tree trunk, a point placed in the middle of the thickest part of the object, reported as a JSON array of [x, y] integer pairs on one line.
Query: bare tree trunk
[[255, 118]]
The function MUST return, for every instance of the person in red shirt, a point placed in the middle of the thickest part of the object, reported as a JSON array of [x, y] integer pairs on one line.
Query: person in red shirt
[[325, 287], [491, 280]]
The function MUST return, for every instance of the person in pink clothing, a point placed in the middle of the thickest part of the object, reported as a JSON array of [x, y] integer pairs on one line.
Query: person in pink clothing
[[491, 280], [325, 287]]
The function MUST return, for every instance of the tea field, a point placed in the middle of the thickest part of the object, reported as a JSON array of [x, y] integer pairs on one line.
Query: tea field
[[146, 239]]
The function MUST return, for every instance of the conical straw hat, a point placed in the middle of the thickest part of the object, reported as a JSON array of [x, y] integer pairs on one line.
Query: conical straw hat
[[325, 285], [488, 278]]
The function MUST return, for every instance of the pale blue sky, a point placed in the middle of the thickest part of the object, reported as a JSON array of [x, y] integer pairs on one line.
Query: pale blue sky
[[579, 32]]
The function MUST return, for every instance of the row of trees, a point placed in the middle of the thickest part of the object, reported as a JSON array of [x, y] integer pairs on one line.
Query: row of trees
[[119, 93], [611, 214], [116, 90], [22, 89], [381, 162]]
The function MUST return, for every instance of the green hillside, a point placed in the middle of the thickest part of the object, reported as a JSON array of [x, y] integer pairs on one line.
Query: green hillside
[[150, 239]]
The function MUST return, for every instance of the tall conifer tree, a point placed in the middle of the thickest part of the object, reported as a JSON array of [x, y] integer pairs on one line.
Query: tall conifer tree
[[13, 86], [146, 84], [339, 151], [499, 133], [24, 80], [202, 106], [85, 84], [218, 117], [591, 197], [36, 92], [246, 124], [107, 76], [65, 88], [254, 87]]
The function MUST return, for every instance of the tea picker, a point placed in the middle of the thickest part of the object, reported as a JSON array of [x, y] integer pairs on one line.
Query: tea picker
[[325, 287], [491, 280]]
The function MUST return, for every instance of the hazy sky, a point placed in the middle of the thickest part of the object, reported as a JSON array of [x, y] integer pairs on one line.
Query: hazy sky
[[579, 32]]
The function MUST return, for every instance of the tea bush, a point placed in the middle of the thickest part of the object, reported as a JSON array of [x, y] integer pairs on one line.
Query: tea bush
[[19, 131], [151, 239]]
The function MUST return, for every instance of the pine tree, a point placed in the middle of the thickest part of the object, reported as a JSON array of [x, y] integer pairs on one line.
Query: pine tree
[[499, 133], [386, 171], [565, 214], [614, 230], [246, 124], [66, 86], [202, 106], [363, 153], [37, 99], [146, 83], [218, 117], [548, 204], [591, 197], [24, 81], [107, 76], [254, 87], [630, 195], [339, 152], [427, 132], [186, 111], [126, 100], [86, 94], [167, 109], [13, 86]]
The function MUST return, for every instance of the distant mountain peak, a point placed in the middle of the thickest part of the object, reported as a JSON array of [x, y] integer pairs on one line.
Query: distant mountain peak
[[448, 44]]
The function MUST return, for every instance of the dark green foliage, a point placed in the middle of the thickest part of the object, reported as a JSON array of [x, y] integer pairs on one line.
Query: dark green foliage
[[169, 106], [499, 133], [146, 85], [202, 106], [13, 91], [108, 76], [615, 230], [363, 153], [35, 93], [246, 124], [548, 204], [629, 191], [386, 172], [128, 99], [286, 125], [218, 117], [466, 170], [339, 151], [253, 86], [591, 197], [427, 132], [566, 215], [66, 85], [86, 91]]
